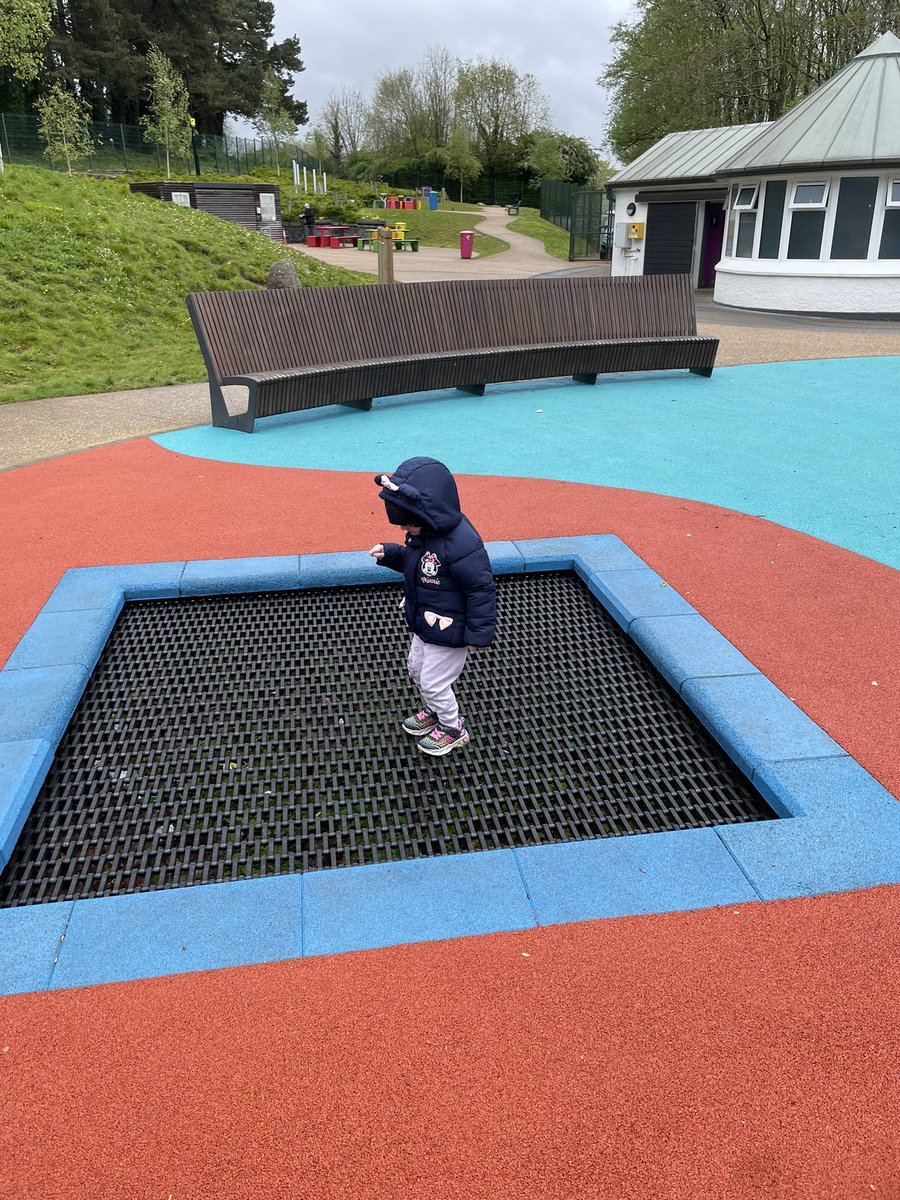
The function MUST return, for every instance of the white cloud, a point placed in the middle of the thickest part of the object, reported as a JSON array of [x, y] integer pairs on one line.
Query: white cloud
[[564, 44]]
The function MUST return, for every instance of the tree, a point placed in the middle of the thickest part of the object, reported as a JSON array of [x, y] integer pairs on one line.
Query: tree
[[353, 120], [273, 121], [436, 82], [679, 66], [500, 106], [544, 157], [25, 30], [317, 147], [63, 124], [329, 125], [554, 155], [412, 111], [342, 122], [397, 121], [602, 175], [459, 161], [168, 122], [222, 48]]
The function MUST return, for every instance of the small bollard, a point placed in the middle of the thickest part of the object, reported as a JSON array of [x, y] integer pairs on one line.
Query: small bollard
[[385, 256]]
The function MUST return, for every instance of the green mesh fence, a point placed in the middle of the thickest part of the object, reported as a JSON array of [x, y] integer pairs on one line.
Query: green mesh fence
[[480, 191], [584, 212], [122, 148]]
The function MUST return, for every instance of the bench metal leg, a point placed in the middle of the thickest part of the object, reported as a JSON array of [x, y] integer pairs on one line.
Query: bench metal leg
[[222, 419], [590, 377], [475, 389], [362, 405], [704, 371]]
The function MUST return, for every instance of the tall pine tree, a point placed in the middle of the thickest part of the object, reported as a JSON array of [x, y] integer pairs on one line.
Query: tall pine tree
[[221, 48]]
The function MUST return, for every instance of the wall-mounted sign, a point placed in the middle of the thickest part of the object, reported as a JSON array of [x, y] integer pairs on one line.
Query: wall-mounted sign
[[182, 198], [267, 205]]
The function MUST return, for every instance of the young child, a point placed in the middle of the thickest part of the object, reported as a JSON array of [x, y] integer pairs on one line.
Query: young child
[[450, 599]]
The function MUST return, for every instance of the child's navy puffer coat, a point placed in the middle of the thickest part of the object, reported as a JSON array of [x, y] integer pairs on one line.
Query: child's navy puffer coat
[[450, 595]]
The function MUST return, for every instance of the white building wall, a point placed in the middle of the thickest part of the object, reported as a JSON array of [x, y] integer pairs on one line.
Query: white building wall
[[822, 285], [813, 287], [628, 254]]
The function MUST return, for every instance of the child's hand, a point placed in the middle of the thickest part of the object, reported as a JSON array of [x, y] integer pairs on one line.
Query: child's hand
[[377, 551]]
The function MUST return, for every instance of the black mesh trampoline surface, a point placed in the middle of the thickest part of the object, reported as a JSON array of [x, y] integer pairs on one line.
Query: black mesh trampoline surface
[[232, 737]]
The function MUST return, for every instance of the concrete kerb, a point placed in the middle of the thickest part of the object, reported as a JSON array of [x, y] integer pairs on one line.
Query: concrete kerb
[[839, 830]]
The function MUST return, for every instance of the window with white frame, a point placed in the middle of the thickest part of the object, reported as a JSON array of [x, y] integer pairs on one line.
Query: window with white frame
[[742, 227], [810, 195], [889, 246], [745, 195]]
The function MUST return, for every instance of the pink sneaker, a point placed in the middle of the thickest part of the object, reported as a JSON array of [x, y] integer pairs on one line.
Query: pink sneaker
[[442, 740], [420, 723]]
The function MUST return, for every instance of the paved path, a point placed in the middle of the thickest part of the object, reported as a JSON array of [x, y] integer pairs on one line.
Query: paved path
[[525, 256], [38, 429]]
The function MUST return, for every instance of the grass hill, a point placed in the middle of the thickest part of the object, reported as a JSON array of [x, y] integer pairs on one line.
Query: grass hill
[[94, 281]]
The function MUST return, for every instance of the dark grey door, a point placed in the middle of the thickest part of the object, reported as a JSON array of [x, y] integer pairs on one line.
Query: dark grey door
[[669, 241], [230, 203]]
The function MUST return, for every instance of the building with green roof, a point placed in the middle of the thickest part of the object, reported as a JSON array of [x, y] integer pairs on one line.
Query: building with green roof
[[801, 214]]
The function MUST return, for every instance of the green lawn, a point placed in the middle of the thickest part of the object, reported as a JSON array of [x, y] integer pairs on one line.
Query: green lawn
[[94, 281], [555, 240], [441, 228], [465, 206]]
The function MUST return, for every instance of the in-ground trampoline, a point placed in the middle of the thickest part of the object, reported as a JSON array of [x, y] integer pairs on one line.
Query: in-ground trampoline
[[206, 768], [238, 736]]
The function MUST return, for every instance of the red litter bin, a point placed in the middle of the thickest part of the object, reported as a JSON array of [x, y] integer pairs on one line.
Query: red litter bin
[[466, 238]]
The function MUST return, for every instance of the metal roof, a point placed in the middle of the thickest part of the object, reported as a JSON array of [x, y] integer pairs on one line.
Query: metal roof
[[853, 117], [691, 156]]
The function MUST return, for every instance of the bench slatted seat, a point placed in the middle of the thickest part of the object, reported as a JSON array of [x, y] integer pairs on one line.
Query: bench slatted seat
[[301, 348]]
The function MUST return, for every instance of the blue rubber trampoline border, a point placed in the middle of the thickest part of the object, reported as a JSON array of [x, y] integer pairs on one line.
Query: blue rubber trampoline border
[[842, 831]]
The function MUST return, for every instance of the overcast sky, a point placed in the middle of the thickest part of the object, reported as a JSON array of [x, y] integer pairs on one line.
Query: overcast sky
[[563, 43]]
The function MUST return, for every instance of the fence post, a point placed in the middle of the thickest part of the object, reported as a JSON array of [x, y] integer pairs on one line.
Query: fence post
[[122, 140], [5, 139]]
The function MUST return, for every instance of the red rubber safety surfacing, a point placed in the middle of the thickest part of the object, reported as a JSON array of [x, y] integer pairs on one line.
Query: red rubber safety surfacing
[[739, 1052]]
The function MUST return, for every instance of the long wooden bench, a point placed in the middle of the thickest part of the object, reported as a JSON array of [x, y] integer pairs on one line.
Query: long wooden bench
[[300, 348]]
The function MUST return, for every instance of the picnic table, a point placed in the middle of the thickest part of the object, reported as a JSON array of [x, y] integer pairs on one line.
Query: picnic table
[[371, 243], [334, 236]]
